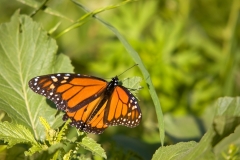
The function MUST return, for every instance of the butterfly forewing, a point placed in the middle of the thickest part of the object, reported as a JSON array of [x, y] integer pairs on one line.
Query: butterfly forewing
[[67, 90], [91, 103]]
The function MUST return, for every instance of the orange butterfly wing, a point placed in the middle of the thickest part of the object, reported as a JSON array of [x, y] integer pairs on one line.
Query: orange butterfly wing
[[122, 109], [91, 103]]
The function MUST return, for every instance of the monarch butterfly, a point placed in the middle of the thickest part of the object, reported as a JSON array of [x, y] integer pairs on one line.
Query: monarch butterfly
[[90, 102]]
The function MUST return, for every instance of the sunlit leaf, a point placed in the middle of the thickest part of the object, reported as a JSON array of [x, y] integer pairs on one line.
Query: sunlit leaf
[[225, 123], [91, 145], [173, 152], [14, 134], [27, 51]]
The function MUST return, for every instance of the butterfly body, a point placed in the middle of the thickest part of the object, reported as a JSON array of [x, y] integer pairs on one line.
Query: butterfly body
[[90, 102]]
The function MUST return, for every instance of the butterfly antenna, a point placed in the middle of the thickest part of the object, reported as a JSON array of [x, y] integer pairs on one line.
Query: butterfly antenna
[[128, 69]]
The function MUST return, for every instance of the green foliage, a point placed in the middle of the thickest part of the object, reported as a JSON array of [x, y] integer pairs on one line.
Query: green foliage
[[223, 133], [88, 144], [14, 134], [190, 49], [22, 46], [179, 149], [17, 100], [52, 136], [232, 153], [57, 139], [191, 130]]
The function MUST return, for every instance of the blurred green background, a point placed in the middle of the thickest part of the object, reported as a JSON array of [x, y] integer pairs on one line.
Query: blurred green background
[[190, 48]]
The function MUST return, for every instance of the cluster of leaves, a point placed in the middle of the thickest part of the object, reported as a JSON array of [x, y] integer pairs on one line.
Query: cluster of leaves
[[25, 60], [22, 46], [221, 141], [54, 145], [186, 74]]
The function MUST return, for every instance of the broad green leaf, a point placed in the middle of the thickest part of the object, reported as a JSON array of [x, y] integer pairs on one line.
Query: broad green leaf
[[27, 51], [173, 152], [91, 145], [225, 122], [13, 134], [184, 127], [200, 149], [228, 106]]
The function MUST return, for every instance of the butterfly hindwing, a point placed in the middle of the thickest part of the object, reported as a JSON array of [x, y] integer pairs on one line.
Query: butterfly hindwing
[[85, 120], [123, 108]]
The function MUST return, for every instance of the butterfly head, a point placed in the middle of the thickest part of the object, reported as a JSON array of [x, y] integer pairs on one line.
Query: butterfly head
[[115, 81]]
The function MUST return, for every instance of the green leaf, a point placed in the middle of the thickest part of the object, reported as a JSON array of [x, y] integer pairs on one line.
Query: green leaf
[[173, 152], [232, 139], [202, 148], [228, 106], [225, 124], [14, 134], [62, 132], [27, 51], [189, 127], [223, 132], [89, 144], [227, 117], [133, 84], [34, 149], [67, 156]]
